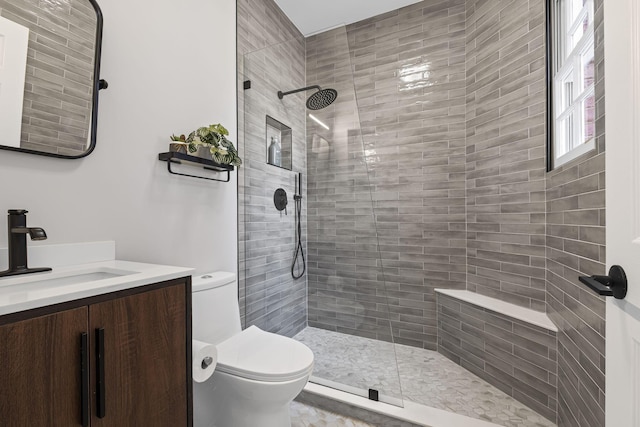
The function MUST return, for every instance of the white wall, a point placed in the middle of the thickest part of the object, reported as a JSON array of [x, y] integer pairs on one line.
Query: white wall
[[171, 68]]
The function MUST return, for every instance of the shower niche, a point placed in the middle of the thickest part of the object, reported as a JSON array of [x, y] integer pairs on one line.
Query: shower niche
[[279, 143]]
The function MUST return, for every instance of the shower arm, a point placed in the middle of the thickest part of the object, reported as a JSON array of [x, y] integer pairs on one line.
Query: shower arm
[[304, 89]]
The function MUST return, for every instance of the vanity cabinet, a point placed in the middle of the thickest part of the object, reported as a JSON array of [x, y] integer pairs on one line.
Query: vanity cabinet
[[40, 370], [120, 359]]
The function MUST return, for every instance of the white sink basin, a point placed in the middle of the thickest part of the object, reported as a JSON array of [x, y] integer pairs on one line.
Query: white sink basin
[[64, 278], [55, 279]]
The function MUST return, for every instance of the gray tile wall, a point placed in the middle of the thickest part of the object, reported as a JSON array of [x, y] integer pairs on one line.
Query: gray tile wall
[[346, 289], [410, 90], [518, 358], [576, 246], [271, 53], [506, 150], [59, 79]]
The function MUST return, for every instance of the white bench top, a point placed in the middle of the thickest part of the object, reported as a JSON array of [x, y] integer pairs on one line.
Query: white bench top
[[528, 315]]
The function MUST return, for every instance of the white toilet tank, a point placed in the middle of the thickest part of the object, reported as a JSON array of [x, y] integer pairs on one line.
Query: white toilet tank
[[215, 311]]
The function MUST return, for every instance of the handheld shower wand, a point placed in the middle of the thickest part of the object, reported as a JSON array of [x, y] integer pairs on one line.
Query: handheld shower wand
[[299, 252]]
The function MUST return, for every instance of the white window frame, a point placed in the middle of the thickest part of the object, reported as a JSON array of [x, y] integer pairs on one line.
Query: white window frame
[[568, 140]]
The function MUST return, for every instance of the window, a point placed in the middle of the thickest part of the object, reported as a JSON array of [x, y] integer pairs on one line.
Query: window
[[572, 80]]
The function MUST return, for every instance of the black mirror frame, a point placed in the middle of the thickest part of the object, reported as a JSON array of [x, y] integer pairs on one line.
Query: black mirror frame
[[98, 84]]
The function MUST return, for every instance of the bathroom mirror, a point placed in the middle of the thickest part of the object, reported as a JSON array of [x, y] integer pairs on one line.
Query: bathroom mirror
[[49, 76]]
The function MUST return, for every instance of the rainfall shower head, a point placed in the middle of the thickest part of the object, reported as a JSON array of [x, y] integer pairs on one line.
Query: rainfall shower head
[[322, 99], [319, 100]]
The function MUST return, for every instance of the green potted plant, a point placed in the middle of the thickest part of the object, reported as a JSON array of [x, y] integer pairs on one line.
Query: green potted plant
[[179, 144], [211, 140]]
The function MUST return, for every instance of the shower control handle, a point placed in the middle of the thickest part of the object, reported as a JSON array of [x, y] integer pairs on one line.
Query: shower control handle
[[280, 200]]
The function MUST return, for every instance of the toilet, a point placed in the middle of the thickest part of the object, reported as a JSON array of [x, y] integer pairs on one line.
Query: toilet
[[257, 374]]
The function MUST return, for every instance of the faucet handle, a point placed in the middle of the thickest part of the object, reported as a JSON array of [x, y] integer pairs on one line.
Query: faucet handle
[[17, 211]]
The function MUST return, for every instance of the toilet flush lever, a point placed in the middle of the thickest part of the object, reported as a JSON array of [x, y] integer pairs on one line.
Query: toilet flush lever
[[206, 362]]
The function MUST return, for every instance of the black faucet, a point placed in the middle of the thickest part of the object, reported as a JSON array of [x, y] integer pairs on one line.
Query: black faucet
[[17, 234]]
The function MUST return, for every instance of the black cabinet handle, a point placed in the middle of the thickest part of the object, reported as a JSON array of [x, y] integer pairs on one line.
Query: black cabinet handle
[[615, 284], [100, 389], [84, 379]]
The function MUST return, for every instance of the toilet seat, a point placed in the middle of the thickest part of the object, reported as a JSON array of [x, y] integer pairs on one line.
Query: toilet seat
[[263, 356]]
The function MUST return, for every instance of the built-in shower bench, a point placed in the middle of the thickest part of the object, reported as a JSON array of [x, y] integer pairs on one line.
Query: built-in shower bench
[[511, 347]]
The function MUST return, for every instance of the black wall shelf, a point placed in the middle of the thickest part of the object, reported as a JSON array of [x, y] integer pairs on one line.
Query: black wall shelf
[[172, 157]]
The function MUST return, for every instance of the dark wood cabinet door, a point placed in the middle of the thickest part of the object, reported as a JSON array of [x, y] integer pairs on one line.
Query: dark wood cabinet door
[[40, 370], [145, 366]]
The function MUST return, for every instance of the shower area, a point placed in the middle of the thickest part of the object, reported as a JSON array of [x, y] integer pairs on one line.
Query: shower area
[[383, 172], [339, 305]]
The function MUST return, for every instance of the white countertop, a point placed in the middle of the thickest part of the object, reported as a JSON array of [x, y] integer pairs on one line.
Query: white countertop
[[68, 283]]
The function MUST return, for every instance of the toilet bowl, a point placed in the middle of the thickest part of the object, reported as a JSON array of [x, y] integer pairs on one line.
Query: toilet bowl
[[257, 374]]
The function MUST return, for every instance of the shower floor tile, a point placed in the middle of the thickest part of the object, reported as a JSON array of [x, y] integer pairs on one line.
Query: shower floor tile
[[422, 376], [354, 361]]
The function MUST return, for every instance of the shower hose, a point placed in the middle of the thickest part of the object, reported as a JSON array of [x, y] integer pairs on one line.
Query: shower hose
[[299, 251]]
